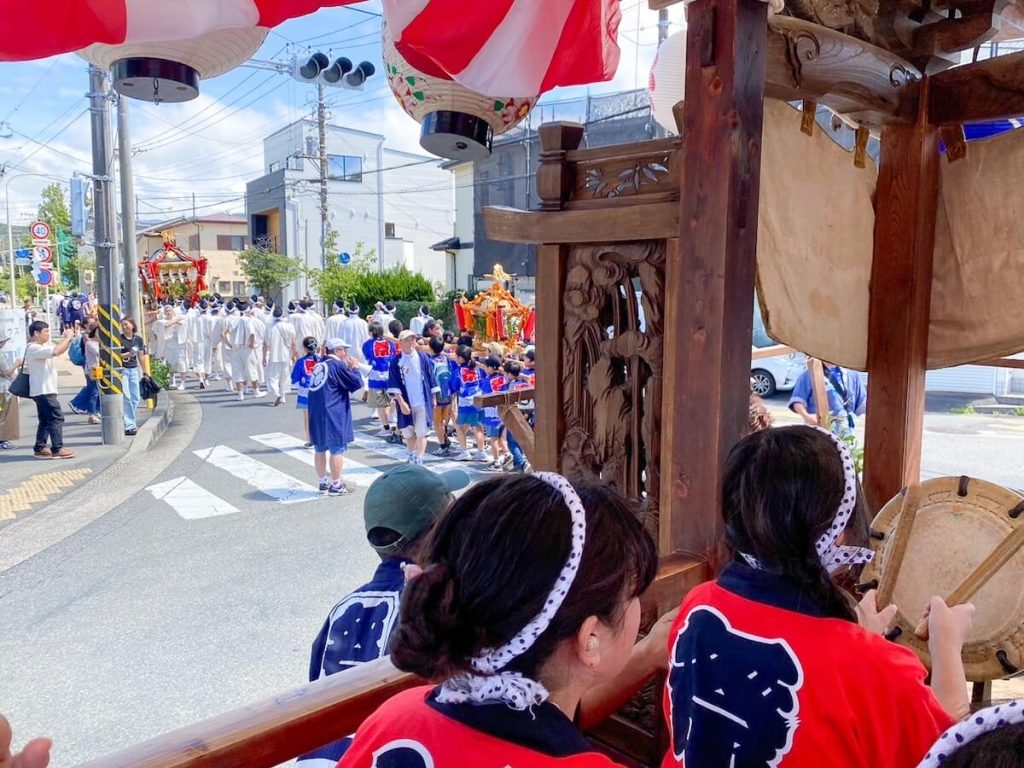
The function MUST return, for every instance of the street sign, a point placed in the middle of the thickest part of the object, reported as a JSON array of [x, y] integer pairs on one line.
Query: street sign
[[22, 261], [43, 276], [344, 258], [40, 230], [42, 254]]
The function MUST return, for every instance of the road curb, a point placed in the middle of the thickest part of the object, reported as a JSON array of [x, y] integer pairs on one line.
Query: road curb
[[72, 512], [153, 429]]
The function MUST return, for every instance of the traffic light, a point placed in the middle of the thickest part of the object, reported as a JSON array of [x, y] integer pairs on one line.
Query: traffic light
[[317, 67]]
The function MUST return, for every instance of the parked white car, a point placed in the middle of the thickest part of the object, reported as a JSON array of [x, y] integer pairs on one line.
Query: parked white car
[[776, 374]]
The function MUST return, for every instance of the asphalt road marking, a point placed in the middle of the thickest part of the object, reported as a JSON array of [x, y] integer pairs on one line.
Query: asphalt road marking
[[269, 481], [189, 500], [353, 472]]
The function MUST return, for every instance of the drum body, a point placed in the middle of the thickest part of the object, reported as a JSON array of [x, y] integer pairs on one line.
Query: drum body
[[958, 523]]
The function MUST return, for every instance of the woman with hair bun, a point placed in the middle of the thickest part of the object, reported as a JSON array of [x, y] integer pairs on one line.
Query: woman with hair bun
[[524, 615]]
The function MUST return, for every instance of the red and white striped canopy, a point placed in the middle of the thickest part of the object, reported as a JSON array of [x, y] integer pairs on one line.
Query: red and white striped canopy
[[518, 47]]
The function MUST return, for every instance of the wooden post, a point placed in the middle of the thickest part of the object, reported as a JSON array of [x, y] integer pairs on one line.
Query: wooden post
[[554, 184], [901, 284], [710, 282]]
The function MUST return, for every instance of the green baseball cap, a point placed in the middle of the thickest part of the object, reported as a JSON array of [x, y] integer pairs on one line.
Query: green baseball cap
[[407, 499]]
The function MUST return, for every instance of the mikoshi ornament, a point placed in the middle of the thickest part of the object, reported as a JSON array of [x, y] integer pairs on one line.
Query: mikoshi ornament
[[457, 123], [667, 83]]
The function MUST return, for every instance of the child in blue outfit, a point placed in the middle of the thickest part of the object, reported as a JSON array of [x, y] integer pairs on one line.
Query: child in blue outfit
[[494, 381], [516, 380], [301, 373], [378, 351], [469, 417]]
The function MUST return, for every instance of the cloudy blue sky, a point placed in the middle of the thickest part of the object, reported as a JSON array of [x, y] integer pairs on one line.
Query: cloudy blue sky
[[213, 145]]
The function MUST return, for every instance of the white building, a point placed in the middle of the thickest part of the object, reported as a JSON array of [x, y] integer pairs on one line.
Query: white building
[[394, 203]]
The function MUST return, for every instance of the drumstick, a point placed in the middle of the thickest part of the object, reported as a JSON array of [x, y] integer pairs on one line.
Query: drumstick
[[912, 499], [999, 557]]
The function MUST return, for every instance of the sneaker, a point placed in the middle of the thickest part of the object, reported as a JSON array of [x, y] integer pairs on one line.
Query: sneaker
[[6, 445], [202, 384], [384, 433], [461, 456], [442, 452], [43, 453], [338, 490], [307, 445], [325, 486], [505, 459], [93, 420], [75, 409], [259, 393], [241, 396], [450, 431], [64, 453], [396, 439], [181, 386], [482, 456], [131, 431], [492, 466]]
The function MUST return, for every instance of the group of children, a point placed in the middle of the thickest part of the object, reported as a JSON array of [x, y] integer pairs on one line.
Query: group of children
[[457, 376]]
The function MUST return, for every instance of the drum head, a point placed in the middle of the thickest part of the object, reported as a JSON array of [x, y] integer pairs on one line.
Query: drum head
[[958, 524]]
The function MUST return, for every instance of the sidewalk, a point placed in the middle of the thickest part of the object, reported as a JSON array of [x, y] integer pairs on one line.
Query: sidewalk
[[28, 483]]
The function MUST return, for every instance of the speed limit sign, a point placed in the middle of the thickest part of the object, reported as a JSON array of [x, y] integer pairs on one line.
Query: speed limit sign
[[40, 230]]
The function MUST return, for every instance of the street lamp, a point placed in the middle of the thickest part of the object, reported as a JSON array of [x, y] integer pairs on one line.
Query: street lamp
[[10, 230]]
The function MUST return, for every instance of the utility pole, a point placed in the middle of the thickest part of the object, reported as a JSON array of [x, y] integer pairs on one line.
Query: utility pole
[[131, 259], [321, 119], [106, 259]]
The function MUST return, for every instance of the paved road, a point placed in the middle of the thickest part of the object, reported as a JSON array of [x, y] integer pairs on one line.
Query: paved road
[[158, 614], [152, 617]]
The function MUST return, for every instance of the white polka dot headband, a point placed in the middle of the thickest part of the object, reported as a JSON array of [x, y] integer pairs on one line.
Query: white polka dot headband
[[512, 688], [833, 556], [972, 727]]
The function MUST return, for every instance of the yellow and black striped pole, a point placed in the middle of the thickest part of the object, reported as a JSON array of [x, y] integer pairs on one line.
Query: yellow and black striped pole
[[107, 270]]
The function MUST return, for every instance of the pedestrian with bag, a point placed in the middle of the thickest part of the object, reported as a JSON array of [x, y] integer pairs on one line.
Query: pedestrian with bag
[[85, 351], [42, 376], [8, 402], [132, 348]]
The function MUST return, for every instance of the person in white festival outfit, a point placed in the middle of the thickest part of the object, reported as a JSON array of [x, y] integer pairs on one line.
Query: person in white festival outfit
[[174, 337], [280, 342]]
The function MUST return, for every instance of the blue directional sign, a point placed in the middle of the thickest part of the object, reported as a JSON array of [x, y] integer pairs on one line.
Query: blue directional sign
[[23, 257], [344, 258]]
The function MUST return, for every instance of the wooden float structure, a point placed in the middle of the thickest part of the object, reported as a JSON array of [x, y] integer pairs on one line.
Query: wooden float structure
[[655, 410]]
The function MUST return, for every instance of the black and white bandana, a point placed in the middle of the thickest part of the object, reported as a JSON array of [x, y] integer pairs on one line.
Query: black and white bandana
[[970, 728]]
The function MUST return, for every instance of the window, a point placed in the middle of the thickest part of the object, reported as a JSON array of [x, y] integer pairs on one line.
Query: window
[[230, 242], [389, 229], [224, 286], [193, 243], [345, 168], [239, 288]]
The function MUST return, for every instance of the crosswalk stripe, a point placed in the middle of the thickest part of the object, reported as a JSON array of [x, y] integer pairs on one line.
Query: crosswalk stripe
[[394, 452], [264, 478], [353, 473], [190, 501]]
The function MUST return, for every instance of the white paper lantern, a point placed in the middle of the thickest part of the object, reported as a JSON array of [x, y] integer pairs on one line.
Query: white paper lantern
[[668, 79], [170, 71], [458, 123]]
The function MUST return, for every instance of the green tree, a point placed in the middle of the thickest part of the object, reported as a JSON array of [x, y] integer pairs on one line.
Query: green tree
[[268, 272], [337, 281]]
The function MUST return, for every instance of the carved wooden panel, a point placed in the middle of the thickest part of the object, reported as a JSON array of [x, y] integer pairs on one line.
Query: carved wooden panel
[[613, 306], [645, 172]]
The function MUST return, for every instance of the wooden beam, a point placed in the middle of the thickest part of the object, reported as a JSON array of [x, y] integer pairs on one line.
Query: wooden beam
[[550, 415], [274, 730], [1002, 362], [635, 222], [772, 351], [709, 281], [517, 425], [992, 89], [504, 398], [901, 279], [807, 61]]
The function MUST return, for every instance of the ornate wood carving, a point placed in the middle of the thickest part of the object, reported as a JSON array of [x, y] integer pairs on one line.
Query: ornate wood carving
[[612, 373], [554, 179], [812, 62]]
